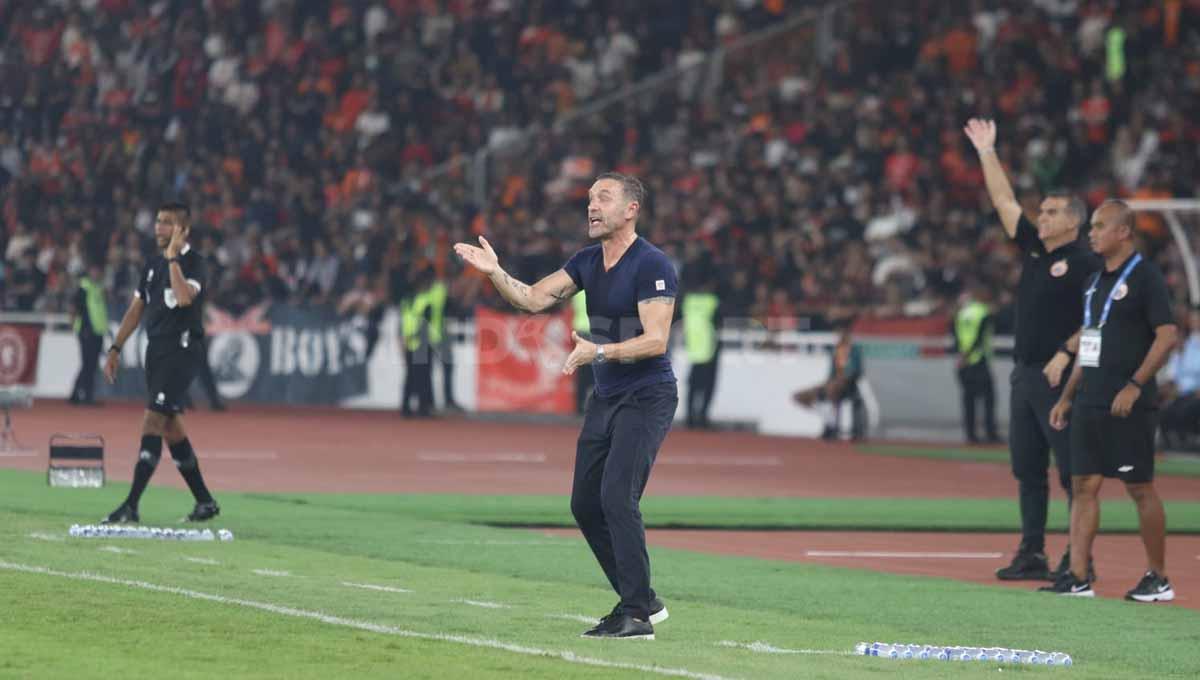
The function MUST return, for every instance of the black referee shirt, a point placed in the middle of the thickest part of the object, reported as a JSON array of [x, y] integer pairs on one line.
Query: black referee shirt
[[164, 319], [1143, 305], [1049, 309]]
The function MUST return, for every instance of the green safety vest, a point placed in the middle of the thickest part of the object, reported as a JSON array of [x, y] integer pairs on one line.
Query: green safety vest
[[1114, 66], [412, 313], [97, 308], [581, 323], [699, 332], [435, 298], [967, 326]]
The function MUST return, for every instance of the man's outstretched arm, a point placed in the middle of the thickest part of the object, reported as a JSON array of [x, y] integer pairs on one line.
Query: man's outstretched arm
[[982, 134], [536, 298]]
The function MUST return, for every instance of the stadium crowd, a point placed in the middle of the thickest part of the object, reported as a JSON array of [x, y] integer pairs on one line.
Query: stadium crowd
[[818, 173]]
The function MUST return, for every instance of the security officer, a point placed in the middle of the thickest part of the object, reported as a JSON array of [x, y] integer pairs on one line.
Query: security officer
[[700, 338], [91, 325], [1049, 311], [418, 359], [1127, 335], [973, 327], [436, 297]]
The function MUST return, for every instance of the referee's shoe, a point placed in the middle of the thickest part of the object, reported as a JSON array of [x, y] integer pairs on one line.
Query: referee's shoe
[[203, 512]]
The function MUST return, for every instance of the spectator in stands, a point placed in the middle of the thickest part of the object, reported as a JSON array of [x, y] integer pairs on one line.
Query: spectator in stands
[[1181, 392]]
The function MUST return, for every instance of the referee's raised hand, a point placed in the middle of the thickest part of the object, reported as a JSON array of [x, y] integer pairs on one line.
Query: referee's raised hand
[[179, 237], [482, 258]]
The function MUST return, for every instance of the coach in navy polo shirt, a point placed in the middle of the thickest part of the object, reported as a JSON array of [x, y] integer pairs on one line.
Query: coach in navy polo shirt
[[630, 289]]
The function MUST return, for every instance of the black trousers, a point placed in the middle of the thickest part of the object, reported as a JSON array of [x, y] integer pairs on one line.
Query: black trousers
[[585, 383], [445, 354], [89, 362], [1030, 441], [976, 383], [418, 382], [702, 382], [613, 457]]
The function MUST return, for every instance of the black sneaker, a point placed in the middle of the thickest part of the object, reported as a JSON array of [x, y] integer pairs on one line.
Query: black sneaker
[[124, 514], [203, 512], [622, 627], [1025, 566], [1071, 586], [658, 613], [1152, 588], [1064, 565]]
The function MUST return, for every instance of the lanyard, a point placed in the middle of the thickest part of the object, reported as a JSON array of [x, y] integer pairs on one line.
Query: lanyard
[[1087, 297]]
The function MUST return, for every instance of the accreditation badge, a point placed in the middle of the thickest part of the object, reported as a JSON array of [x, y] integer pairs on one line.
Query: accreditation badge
[[1089, 348]]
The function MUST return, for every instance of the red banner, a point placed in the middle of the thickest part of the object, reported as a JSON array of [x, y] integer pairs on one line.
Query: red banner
[[19, 353], [520, 361]]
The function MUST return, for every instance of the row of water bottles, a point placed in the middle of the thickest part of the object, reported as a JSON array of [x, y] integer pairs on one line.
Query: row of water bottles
[[941, 653], [168, 534]]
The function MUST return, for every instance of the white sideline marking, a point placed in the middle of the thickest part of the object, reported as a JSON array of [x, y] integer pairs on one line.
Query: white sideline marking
[[734, 461], [203, 560], [565, 655], [46, 537], [240, 455], [452, 457], [485, 605], [491, 542], [764, 648], [905, 555], [590, 620], [383, 589], [271, 572], [119, 551]]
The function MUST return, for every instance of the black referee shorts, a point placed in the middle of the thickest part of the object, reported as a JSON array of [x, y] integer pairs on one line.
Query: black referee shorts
[[169, 372], [1103, 444]]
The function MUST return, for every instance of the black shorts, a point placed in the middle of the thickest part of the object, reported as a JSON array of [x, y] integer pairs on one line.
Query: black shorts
[[1103, 444], [169, 373]]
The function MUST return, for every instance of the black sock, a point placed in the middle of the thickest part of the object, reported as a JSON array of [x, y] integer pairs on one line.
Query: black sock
[[148, 455], [189, 467]]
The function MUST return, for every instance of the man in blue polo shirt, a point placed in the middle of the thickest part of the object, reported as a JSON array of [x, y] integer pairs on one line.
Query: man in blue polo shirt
[[630, 288]]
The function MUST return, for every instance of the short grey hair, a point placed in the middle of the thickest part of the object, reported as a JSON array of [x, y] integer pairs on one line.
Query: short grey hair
[[631, 187], [1075, 205]]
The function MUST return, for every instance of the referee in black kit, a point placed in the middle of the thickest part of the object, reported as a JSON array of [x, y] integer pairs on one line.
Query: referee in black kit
[[1127, 335], [631, 288], [1054, 267], [170, 296]]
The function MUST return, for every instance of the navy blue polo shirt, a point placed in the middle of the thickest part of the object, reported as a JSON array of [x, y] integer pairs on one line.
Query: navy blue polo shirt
[[642, 273]]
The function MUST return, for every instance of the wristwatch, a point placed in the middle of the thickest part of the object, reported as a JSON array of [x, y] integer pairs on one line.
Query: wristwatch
[[1063, 348], [600, 357], [115, 348]]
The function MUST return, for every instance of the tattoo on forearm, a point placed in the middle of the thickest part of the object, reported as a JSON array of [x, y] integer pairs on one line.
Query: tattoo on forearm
[[518, 287], [662, 299], [564, 292]]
